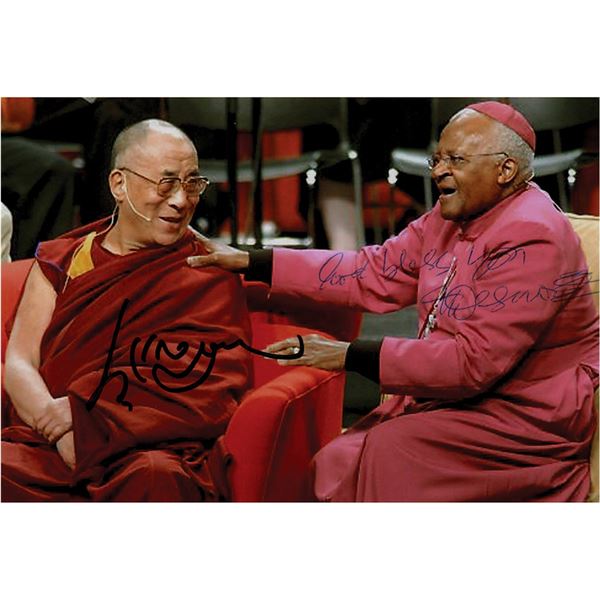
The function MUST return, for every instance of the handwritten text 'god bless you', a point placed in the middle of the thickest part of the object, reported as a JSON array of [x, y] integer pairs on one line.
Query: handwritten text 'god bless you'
[[461, 300]]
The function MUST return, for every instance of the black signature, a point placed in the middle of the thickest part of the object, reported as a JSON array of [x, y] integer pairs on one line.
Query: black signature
[[461, 301], [440, 261], [207, 350], [431, 260], [328, 273], [494, 259]]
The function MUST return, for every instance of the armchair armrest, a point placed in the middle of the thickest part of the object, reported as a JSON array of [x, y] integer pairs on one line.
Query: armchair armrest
[[276, 431], [593, 495], [341, 323]]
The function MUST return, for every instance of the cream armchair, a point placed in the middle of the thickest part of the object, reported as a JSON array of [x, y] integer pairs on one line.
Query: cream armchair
[[587, 228]]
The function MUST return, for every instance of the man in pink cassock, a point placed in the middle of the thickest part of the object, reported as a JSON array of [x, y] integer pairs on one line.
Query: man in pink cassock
[[494, 400]]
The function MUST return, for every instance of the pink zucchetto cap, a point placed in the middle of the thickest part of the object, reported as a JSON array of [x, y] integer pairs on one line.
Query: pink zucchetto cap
[[507, 115]]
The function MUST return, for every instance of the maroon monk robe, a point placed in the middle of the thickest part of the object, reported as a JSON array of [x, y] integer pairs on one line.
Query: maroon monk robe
[[157, 441]]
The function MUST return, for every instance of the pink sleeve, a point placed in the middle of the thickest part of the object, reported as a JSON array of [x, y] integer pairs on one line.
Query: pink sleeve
[[512, 308], [376, 278]]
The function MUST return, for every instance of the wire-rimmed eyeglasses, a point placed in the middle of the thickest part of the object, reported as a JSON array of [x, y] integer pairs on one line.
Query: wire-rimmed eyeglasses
[[456, 160], [166, 186]]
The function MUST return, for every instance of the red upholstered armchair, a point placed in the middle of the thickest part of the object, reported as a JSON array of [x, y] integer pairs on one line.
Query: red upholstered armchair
[[287, 416]]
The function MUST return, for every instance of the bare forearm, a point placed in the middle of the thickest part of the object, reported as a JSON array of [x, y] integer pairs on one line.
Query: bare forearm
[[27, 390]]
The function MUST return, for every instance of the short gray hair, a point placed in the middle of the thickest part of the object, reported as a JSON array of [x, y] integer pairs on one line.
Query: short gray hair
[[515, 146], [136, 134], [510, 142]]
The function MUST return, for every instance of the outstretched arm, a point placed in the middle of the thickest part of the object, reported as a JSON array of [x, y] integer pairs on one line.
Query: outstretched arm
[[376, 278]]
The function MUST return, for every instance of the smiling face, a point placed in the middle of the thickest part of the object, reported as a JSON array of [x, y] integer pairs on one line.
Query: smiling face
[[162, 152], [477, 183]]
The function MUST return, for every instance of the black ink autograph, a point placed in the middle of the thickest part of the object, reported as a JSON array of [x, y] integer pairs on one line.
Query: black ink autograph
[[207, 350], [328, 272], [494, 259], [461, 301], [440, 262], [433, 260]]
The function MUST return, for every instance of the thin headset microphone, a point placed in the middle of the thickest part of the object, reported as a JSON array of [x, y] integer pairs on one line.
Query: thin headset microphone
[[133, 208]]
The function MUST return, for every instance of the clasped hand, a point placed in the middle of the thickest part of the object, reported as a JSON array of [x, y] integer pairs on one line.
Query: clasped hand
[[55, 419], [66, 449], [55, 423]]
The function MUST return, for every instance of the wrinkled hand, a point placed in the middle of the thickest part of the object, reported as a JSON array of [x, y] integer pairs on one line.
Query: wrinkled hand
[[219, 255], [55, 420], [66, 449], [319, 352]]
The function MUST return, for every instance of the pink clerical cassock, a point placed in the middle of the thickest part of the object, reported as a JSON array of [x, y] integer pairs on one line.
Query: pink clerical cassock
[[495, 400]]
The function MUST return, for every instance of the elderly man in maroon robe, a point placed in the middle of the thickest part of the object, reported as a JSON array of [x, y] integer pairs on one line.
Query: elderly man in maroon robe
[[123, 366], [494, 400]]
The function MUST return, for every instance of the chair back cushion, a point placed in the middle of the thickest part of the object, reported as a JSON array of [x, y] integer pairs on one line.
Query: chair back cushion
[[340, 323], [587, 227], [14, 275]]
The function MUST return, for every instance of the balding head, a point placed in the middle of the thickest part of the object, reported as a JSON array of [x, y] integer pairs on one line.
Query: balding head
[[145, 156], [505, 138], [136, 135], [476, 165]]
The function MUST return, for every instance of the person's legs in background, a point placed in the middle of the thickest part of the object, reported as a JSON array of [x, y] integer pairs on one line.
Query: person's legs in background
[[377, 125], [38, 187], [336, 205]]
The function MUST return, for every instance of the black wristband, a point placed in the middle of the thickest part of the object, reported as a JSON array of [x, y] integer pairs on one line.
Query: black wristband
[[363, 357], [260, 266]]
